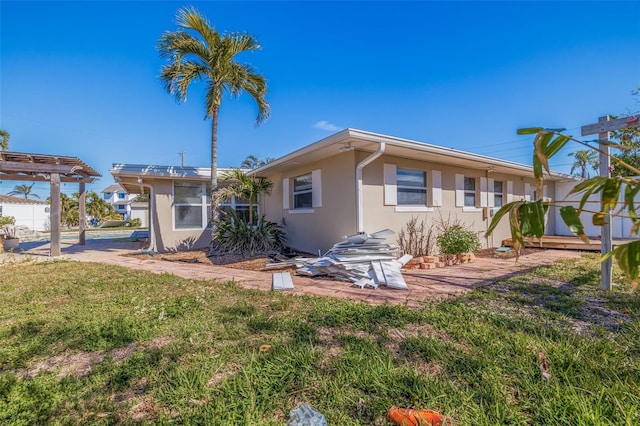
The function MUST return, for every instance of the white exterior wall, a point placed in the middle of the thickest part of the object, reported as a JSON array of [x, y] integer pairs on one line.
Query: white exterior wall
[[33, 216], [621, 227]]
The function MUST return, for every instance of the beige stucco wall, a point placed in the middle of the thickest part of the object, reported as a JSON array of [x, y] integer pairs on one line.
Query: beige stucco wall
[[166, 237], [326, 225], [337, 217]]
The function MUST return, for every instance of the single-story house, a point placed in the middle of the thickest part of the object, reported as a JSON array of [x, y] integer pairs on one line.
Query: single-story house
[[352, 181], [32, 214]]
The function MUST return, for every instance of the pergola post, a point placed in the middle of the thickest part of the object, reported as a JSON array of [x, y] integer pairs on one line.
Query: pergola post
[[55, 215], [82, 215]]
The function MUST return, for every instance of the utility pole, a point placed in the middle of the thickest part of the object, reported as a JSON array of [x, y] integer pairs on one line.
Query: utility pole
[[602, 128], [181, 154]]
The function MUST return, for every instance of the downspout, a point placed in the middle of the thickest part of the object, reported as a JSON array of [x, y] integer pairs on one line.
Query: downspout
[[359, 195], [152, 204]]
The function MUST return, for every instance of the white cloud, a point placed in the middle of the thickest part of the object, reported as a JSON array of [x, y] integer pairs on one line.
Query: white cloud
[[325, 125]]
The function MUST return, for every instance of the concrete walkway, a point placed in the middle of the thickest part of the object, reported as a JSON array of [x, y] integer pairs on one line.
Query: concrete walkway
[[424, 285]]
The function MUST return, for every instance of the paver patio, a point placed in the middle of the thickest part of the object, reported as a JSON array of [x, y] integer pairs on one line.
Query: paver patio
[[424, 285]]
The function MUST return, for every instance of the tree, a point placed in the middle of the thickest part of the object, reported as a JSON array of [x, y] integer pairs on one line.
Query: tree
[[584, 159], [244, 186], [629, 141], [253, 162], [527, 219], [4, 140], [23, 190], [98, 208], [198, 52]]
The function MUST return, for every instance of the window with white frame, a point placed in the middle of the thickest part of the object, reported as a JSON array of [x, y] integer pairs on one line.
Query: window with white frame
[[121, 195], [469, 192], [411, 187], [498, 193], [121, 207], [303, 192], [240, 206], [190, 205], [107, 195]]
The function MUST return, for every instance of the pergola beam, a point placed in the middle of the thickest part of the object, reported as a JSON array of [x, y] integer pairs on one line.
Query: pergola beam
[[39, 178], [14, 166]]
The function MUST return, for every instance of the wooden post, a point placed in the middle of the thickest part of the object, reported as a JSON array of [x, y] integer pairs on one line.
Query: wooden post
[[55, 215], [82, 215], [602, 128], [606, 267]]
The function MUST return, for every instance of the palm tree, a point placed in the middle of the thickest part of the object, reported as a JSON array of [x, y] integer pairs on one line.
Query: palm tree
[[4, 140], [24, 190], [198, 52], [583, 159], [242, 185], [253, 162]]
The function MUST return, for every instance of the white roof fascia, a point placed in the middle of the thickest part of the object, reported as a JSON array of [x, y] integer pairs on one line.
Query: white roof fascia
[[402, 143]]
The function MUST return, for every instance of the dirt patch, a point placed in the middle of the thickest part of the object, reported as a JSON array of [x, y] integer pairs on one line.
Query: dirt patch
[[247, 263], [81, 363]]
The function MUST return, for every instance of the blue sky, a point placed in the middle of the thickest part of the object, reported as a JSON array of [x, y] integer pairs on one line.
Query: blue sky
[[81, 78]]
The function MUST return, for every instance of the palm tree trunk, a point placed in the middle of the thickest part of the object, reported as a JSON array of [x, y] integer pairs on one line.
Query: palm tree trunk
[[214, 164]]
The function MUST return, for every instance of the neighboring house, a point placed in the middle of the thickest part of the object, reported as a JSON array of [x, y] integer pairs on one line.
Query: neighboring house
[[120, 200], [179, 202], [349, 182], [29, 213]]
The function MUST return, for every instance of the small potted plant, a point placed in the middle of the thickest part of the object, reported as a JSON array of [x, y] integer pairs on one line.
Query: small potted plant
[[11, 241]]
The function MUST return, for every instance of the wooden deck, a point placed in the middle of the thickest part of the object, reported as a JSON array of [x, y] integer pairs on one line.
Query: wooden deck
[[563, 243]]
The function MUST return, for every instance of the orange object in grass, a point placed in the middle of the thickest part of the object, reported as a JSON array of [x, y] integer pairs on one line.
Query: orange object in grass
[[410, 417]]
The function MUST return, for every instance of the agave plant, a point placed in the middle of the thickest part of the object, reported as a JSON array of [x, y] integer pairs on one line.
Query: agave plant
[[235, 235]]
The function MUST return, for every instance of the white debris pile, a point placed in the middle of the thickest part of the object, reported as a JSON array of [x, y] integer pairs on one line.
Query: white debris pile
[[364, 259]]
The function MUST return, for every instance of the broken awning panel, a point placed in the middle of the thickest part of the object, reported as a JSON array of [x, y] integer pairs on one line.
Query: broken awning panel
[[365, 260]]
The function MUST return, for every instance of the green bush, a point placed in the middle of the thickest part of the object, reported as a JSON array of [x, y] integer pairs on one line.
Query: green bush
[[7, 220], [136, 222], [456, 240], [233, 235]]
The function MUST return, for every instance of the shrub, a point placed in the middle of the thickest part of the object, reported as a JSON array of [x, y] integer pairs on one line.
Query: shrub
[[233, 235], [7, 220], [416, 238], [456, 240], [136, 222]]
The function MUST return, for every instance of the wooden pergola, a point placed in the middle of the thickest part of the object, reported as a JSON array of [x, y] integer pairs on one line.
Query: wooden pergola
[[54, 169]]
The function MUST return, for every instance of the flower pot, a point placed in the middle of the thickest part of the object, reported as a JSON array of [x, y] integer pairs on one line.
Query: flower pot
[[11, 244]]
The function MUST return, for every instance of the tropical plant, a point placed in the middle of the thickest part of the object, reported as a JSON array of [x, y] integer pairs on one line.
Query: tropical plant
[[253, 162], [629, 138], [98, 208], [198, 52], [527, 219], [24, 191], [584, 160], [234, 235], [69, 216], [244, 186], [4, 140], [457, 240]]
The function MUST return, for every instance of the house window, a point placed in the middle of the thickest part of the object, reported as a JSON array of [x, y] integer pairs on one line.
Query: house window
[[121, 195], [498, 194], [411, 187], [190, 205], [240, 206], [121, 207], [469, 192], [107, 195], [302, 192]]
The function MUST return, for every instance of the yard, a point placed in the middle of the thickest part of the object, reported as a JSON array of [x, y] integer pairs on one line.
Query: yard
[[101, 344]]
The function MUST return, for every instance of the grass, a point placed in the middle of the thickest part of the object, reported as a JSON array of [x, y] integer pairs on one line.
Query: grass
[[98, 344]]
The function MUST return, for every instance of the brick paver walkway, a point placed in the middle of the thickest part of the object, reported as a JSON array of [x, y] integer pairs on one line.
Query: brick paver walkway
[[424, 285]]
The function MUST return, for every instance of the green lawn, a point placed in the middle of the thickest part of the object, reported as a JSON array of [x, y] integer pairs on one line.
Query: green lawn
[[95, 344]]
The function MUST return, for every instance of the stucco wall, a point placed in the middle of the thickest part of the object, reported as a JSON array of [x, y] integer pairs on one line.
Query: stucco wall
[[171, 238], [337, 216], [33, 216], [326, 225]]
